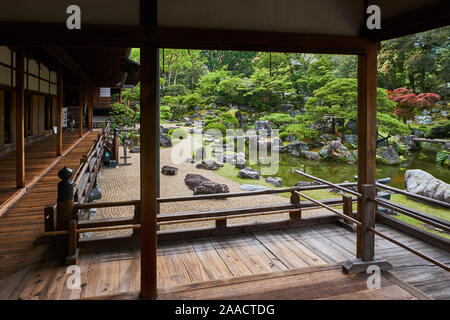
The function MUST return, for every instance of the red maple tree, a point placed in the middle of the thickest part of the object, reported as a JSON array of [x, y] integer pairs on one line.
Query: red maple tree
[[408, 101]]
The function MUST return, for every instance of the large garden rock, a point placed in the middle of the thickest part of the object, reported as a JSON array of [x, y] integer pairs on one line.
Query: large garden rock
[[297, 146], [351, 138], [328, 138], [201, 185], [409, 142], [310, 155], [276, 181], [263, 125], [422, 183], [418, 133], [424, 120], [291, 138], [164, 141], [240, 161], [388, 155], [248, 173], [338, 151], [351, 126], [169, 171], [307, 183], [208, 165]]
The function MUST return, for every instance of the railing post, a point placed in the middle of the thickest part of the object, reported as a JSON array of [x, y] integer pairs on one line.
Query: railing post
[[64, 207], [366, 237], [222, 223], [115, 152], [295, 199], [72, 256], [137, 217], [347, 209], [49, 218]]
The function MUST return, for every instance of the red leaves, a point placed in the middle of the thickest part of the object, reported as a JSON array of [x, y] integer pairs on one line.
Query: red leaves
[[407, 98]]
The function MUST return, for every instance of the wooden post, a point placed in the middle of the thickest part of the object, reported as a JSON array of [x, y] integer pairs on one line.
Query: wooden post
[[149, 76], [91, 108], [137, 217], [367, 137], [20, 128], [72, 255], [367, 130], [115, 150], [222, 223], [59, 103], [80, 112], [368, 220], [348, 210], [295, 199], [49, 218], [64, 209]]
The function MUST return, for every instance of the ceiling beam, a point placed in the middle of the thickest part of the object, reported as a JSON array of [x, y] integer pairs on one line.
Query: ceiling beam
[[418, 20], [69, 62]]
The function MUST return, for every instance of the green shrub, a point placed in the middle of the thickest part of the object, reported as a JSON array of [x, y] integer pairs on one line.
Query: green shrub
[[229, 120], [439, 131], [217, 126], [283, 136], [442, 158], [179, 133], [170, 132], [278, 119], [164, 112]]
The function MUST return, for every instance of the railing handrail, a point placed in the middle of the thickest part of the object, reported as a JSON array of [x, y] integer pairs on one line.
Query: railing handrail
[[413, 195], [337, 186]]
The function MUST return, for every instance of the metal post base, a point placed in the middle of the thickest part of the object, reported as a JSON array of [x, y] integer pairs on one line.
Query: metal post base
[[358, 265]]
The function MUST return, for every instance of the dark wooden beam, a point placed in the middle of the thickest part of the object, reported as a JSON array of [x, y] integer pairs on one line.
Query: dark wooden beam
[[80, 110], [59, 103], [69, 62], [56, 34], [149, 167], [418, 20], [367, 135], [20, 130]]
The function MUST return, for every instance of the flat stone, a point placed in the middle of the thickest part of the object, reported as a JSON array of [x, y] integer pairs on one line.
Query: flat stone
[[169, 171], [253, 187]]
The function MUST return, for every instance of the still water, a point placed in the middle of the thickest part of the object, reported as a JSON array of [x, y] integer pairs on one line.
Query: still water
[[337, 172]]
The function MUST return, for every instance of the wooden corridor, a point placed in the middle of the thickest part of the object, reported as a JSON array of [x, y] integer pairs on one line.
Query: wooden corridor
[[39, 155], [249, 263], [23, 221]]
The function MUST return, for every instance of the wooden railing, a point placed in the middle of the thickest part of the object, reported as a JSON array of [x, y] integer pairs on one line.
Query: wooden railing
[[85, 178]]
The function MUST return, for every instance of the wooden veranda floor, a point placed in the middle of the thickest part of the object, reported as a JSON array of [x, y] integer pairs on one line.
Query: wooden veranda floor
[[259, 265], [39, 155], [22, 222]]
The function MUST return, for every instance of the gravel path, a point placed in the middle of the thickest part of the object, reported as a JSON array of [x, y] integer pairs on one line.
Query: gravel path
[[122, 183]]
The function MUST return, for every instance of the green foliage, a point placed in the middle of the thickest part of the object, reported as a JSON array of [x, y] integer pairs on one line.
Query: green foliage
[[229, 120], [302, 131], [216, 126], [439, 131], [164, 112], [442, 158], [339, 98], [122, 115], [283, 136], [278, 119], [178, 133], [388, 123]]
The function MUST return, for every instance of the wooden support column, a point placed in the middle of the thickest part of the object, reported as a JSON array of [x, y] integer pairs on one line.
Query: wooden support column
[[80, 111], [149, 76], [59, 104], [20, 129], [91, 107], [367, 139]]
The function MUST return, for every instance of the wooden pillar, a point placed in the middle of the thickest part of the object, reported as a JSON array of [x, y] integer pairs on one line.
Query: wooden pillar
[[20, 128], [149, 77], [80, 111], [91, 107], [367, 135], [59, 103]]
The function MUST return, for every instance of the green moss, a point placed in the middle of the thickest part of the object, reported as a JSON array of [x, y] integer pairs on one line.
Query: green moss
[[434, 211]]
